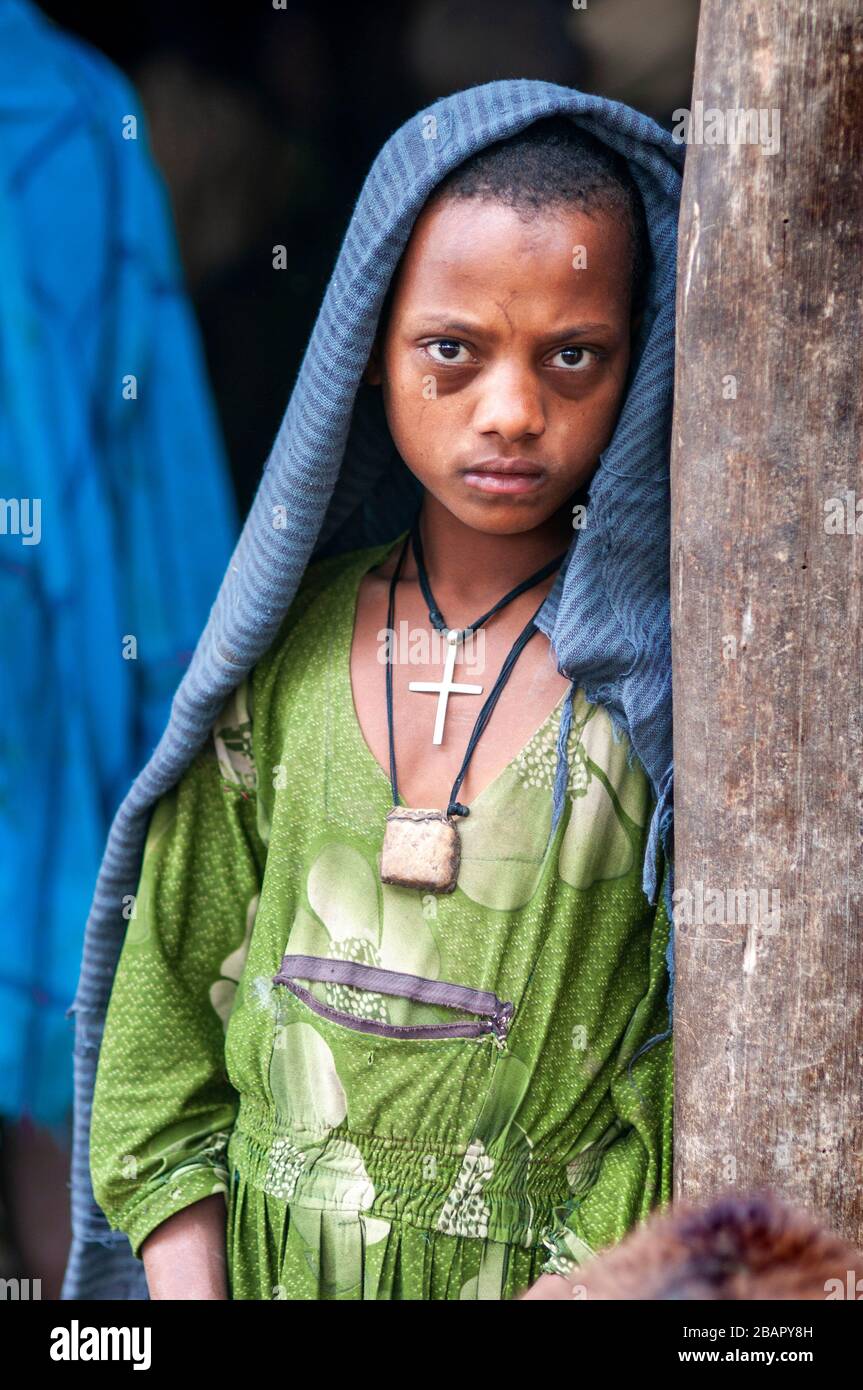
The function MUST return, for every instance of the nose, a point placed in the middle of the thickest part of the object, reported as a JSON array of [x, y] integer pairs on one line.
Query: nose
[[510, 403]]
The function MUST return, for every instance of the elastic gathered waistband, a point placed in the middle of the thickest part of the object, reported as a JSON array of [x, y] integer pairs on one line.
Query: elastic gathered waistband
[[457, 1190]]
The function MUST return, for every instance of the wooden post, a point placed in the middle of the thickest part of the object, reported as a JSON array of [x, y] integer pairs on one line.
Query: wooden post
[[767, 617]]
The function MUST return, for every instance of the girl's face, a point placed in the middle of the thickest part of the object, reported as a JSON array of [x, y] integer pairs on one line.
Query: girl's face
[[504, 357]]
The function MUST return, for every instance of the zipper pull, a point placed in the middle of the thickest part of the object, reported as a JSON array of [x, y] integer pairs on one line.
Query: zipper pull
[[499, 1024]]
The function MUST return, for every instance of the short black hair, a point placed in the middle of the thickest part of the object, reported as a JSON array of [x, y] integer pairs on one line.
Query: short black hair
[[550, 163]]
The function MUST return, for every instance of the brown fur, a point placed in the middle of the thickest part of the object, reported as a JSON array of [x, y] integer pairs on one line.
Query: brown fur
[[741, 1246]]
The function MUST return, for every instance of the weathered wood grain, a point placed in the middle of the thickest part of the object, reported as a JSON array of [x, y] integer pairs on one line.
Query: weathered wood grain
[[766, 615]]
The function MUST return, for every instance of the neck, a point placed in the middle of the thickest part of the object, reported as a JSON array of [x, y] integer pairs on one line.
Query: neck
[[476, 567]]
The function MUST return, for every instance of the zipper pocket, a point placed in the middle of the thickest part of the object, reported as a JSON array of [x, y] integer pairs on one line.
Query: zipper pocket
[[495, 1014]]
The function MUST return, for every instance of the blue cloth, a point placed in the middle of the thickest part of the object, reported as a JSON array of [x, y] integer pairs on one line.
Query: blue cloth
[[334, 468], [135, 522]]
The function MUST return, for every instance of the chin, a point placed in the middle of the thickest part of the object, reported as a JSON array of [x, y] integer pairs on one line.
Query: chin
[[501, 520], [499, 516]]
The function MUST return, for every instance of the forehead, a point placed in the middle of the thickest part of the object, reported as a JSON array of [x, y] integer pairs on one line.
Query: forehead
[[478, 252]]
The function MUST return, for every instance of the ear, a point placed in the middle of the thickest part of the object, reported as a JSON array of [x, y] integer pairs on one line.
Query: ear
[[373, 373]]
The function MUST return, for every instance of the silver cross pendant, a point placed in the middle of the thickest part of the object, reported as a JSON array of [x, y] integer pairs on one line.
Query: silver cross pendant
[[446, 686]]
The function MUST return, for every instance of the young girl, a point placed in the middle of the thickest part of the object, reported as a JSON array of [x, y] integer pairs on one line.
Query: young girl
[[391, 1017]]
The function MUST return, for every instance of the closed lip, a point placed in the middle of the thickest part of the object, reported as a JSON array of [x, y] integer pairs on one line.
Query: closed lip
[[523, 467]]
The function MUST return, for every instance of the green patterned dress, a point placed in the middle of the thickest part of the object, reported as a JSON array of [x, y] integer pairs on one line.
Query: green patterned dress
[[373, 1142]]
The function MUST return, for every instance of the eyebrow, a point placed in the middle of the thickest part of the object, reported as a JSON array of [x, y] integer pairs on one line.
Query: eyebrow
[[572, 330]]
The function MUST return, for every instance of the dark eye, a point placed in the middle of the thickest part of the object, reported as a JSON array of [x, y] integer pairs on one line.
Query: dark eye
[[448, 349], [575, 358]]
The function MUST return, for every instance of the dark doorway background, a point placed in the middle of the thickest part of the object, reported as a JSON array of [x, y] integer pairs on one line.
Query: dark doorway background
[[264, 121]]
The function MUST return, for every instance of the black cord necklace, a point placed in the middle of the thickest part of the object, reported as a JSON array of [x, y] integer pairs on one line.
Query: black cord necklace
[[421, 847]]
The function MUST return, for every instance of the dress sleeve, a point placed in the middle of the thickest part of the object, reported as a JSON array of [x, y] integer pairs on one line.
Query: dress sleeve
[[617, 1181], [163, 1106]]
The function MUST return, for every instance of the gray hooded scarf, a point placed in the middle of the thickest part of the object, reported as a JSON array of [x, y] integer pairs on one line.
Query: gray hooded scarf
[[335, 470]]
